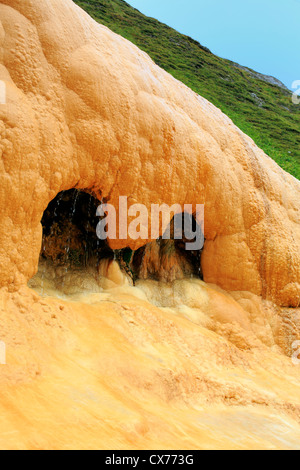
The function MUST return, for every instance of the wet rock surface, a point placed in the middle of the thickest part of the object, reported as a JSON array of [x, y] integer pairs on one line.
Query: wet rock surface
[[175, 362], [88, 110]]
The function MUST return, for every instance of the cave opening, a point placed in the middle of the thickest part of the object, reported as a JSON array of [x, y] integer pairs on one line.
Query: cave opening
[[168, 259], [70, 245], [69, 231]]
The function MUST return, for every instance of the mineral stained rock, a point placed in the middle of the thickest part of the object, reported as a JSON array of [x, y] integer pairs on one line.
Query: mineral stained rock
[[86, 108], [189, 365]]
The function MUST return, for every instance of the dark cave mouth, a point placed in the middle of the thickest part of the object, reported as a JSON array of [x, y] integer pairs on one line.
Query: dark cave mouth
[[70, 241], [69, 230]]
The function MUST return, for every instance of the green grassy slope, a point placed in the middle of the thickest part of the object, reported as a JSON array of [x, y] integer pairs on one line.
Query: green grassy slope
[[263, 111]]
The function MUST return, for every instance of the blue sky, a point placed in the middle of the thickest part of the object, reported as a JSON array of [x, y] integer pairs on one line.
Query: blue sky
[[261, 34]]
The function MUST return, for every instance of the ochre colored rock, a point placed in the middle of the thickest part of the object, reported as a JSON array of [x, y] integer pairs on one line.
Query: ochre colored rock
[[87, 109], [96, 362], [157, 366]]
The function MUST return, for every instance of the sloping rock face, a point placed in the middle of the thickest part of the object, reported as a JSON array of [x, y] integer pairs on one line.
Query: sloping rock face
[[112, 371], [96, 362], [87, 109]]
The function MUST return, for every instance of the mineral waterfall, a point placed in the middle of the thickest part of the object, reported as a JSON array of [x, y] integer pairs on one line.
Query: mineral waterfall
[[92, 360]]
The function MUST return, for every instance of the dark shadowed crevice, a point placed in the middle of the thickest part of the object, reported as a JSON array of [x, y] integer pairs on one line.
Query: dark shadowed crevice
[[69, 230], [70, 241], [169, 259]]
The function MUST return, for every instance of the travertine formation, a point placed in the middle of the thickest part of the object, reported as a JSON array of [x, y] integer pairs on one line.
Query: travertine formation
[[185, 365], [87, 109]]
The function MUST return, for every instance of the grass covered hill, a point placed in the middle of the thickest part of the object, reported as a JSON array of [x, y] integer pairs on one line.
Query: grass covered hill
[[260, 106]]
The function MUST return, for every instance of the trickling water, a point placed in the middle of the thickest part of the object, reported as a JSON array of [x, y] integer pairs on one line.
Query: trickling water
[[71, 218], [58, 201], [98, 252], [87, 253], [43, 252], [43, 272]]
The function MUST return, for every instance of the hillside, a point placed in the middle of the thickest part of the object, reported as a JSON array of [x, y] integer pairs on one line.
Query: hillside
[[261, 109]]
